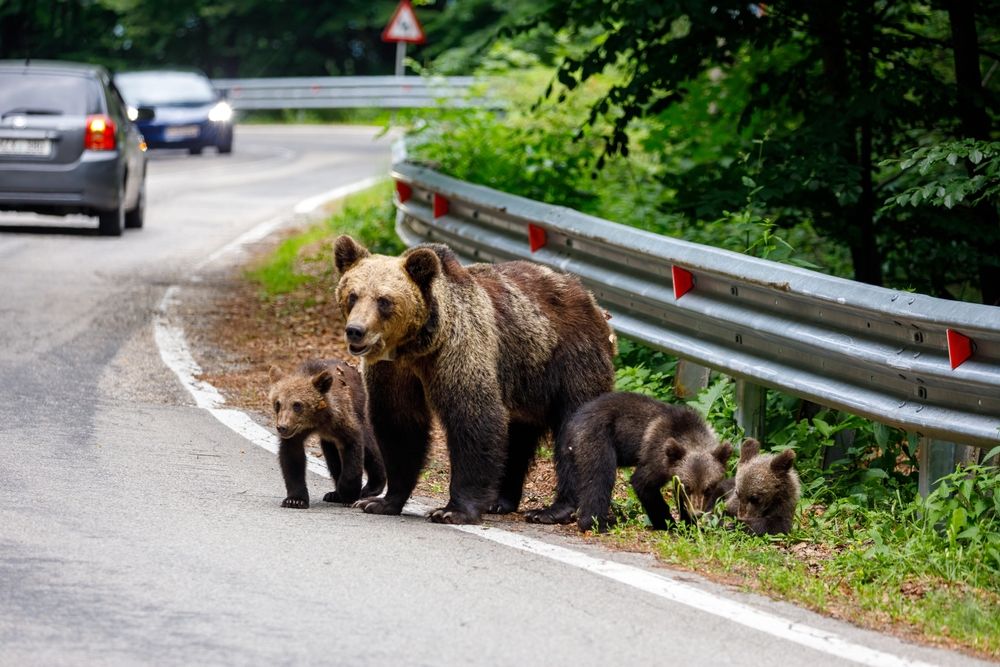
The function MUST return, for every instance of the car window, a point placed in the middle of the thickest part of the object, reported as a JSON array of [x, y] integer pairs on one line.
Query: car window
[[159, 88], [35, 93]]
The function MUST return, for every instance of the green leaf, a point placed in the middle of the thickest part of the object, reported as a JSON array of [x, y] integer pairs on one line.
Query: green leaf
[[958, 520], [822, 427], [976, 156], [747, 181], [952, 159]]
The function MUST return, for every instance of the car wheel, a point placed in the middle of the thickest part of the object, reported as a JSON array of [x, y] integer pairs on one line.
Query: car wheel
[[135, 217], [112, 222], [196, 150], [226, 146]]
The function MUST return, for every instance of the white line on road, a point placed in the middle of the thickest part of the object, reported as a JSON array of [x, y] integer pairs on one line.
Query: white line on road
[[176, 355]]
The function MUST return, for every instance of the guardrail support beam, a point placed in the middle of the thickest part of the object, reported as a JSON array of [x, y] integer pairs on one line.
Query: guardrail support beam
[[751, 404], [690, 379], [937, 458]]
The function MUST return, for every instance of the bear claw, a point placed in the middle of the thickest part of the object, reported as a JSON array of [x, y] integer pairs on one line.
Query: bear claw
[[550, 515], [295, 503], [452, 516], [332, 497], [376, 506]]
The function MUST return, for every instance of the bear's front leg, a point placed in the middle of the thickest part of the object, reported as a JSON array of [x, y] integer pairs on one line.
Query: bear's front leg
[[400, 420], [350, 451], [292, 457], [475, 422]]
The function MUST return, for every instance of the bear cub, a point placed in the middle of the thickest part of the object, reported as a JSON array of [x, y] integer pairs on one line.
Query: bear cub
[[326, 398], [662, 441], [765, 491]]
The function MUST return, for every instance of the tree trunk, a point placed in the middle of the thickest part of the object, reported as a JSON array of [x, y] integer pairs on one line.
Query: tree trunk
[[855, 142], [976, 125]]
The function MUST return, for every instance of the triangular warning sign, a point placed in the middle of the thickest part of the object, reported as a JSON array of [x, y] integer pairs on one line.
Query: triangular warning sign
[[404, 26]]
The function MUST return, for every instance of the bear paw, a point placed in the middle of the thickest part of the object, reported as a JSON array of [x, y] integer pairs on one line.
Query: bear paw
[[451, 515], [332, 497], [502, 506], [550, 515], [377, 506], [296, 503]]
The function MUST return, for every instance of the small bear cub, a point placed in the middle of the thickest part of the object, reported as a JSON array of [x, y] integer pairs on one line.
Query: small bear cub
[[326, 398], [766, 490], [662, 441]]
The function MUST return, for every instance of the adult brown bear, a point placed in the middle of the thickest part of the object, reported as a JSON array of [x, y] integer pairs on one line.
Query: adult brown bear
[[502, 354]]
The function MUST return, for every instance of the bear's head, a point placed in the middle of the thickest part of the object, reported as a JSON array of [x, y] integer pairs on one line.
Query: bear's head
[[700, 467], [299, 400], [385, 300], [766, 484]]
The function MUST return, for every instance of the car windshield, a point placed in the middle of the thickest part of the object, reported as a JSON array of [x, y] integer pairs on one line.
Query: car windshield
[[164, 88], [41, 94]]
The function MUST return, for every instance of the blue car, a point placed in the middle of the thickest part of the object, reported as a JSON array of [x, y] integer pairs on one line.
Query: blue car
[[177, 109]]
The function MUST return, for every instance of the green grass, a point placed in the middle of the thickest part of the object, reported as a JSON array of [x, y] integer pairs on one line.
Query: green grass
[[316, 117], [307, 257]]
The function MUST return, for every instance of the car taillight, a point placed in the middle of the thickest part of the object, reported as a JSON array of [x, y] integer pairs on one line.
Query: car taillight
[[100, 133]]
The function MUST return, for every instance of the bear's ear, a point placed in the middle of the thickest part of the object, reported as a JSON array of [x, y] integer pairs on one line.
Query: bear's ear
[[749, 449], [422, 265], [674, 450], [722, 452], [782, 462], [347, 252], [275, 374], [322, 381]]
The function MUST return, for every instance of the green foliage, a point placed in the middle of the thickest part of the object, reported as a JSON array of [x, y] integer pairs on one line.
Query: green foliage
[[945, 181], [306, 258]]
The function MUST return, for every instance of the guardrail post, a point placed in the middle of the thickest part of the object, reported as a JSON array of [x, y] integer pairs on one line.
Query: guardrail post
[[937, 458], [751, 408], [690, 379]]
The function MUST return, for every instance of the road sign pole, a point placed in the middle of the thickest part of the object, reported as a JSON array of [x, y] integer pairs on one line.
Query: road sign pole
[[400, 57]]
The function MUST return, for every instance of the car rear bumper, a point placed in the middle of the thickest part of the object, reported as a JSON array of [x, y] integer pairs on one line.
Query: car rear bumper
[[185, 135], [89, 184]]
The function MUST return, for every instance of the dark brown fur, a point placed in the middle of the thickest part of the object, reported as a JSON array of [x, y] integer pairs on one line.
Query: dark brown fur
[[765, 491], [662, 441], [502, 354], [326, 398]]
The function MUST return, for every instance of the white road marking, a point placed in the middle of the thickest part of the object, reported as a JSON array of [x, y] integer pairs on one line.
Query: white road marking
[[176, 355]]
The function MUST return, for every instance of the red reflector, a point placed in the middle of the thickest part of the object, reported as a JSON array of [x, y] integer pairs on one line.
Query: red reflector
[[440, 205], [537, 237], [99, 134], [683, 281], [959, 348], [403, 191]]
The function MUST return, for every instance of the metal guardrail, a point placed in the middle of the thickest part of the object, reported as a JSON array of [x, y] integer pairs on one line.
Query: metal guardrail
[[342, 92], [879, 353]]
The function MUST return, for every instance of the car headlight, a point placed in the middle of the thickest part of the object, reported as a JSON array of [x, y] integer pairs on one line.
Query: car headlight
[[132, 112], [220, 113]]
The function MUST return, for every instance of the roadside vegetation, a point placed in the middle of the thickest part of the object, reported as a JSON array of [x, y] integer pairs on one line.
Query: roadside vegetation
[[865, 546]]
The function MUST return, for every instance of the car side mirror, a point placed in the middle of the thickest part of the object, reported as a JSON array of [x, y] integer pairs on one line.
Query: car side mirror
[[145, 113]]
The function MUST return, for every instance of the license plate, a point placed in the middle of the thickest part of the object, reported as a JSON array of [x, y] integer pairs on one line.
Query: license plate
[[31, 147], [181, 132]]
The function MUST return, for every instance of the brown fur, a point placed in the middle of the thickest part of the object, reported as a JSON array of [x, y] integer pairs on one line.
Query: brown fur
[[501, 353], [326, 398], [765, 491], [661, 440]]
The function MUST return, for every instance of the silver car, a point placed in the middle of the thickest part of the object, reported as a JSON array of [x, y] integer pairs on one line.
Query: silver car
[[68, 146]]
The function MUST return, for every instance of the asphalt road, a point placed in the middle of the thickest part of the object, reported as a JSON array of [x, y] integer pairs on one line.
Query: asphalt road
[[135, 528]]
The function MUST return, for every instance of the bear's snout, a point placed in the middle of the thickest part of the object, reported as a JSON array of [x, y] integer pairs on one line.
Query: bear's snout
[[282, 430], [355, 333]]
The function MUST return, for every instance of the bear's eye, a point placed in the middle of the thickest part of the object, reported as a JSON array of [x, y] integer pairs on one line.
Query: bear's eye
[[277, 406], [352, 299], [753, 500], [297, 407], [384, 306]]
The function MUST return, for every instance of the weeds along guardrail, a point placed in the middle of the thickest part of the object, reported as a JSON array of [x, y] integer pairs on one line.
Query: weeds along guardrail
[[927, 365], [348, 92]]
